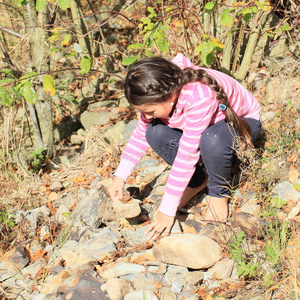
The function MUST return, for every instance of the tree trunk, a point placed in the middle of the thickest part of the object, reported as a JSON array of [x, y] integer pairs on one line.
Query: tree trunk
[[35, 23]]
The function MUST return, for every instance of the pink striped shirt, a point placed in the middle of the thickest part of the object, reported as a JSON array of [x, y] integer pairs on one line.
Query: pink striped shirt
[[197, 108]]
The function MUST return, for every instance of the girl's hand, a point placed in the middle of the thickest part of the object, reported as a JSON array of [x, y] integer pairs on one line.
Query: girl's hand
[[163, 223], [116, 188]]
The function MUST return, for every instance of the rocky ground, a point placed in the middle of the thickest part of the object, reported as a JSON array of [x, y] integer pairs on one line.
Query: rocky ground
[[82, 245]]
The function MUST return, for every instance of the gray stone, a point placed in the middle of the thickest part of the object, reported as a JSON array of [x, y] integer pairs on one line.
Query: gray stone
[[194, 251], [13, 261], [176, 287], [174, 273], [167, 294], [129, 129], [77, 139], [62, 214], [89, 118], [187, 295], [121, 269], [117, 288], [127, 210], [222, 269], [141, 294], [114, 135], [146, 281], [286, 191]]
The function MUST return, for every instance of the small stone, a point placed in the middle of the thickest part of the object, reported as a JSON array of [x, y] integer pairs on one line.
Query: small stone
[[127, 210], [222, 269], [177, 287], [121, 269], [167, 294], [141, 294], [117, 288], [56, 186]]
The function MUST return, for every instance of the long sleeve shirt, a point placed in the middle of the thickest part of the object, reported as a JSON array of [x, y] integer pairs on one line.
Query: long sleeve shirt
[[197, 108]]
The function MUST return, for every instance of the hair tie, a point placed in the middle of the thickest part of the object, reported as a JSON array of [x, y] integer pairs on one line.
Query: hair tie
[[223, 106]]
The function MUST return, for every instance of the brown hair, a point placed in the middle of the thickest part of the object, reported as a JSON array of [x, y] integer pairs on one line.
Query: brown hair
[[154, 80]]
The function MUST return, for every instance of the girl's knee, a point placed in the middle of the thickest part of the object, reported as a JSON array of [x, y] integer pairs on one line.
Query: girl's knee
[[212, 144]]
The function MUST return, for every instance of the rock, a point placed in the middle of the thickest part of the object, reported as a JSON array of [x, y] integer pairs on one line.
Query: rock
[[76, 254], [177, 287], [286, 191], [121, 269], [167, 294], [13, 261], [174, 273], [127, 210], [248, 223], [117, 288], [62, 214], [221, 233], [187, 295], [89, 118], [114, 135], [86, 285], [129, 129], [194, 251], [141, 294], [95, 209], [249, 204], [146, 281], [222, 269]]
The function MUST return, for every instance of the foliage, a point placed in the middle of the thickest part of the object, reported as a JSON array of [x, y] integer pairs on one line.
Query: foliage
[[6, 219], [37, 159]]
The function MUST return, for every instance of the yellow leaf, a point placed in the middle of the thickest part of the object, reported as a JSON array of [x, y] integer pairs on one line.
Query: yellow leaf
[[239, 3], [48, 84]]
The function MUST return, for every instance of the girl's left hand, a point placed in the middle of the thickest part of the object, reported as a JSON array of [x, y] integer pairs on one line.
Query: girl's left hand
[[163, 223]]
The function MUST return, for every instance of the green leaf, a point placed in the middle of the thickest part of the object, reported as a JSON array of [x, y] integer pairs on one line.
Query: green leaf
[[135, 46], [67, 39], [247, 17], [64, 4], [151, 10], [48, 84], [8, 72], [163, 44], [226, 19], [29, 93], [22, 3], [6, 98], [85, 65], [28, 76], [285, 27], [145, 20], [127, 61], [7, 80], [148, 53], [15, 93], [278, 202], [296, 186], [209, 7], [40, 4], [71, 54]]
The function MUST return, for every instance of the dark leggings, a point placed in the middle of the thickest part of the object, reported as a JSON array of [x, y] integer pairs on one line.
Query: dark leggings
[[215, 147]]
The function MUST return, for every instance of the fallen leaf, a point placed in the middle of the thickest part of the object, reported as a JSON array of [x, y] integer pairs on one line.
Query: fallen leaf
[[293, 173]]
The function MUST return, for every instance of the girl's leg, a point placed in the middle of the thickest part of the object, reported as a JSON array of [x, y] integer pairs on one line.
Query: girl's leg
[[165, 141], [217, 155]]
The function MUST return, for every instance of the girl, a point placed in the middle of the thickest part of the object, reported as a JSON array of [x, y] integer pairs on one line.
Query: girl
[[186, 111]]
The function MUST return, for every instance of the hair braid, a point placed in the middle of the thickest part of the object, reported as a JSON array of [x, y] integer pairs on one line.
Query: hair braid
[[193, 75]]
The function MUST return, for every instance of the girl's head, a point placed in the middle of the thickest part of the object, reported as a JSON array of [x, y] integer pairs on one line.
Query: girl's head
[[151, 81]]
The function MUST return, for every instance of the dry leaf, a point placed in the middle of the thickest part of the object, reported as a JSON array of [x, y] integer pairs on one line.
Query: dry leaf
[[293, 174]]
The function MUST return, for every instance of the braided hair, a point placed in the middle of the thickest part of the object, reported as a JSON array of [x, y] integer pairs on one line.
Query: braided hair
[[153, 80]]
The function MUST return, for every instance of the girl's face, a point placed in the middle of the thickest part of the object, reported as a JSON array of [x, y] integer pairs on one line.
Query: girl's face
[[159, 110]]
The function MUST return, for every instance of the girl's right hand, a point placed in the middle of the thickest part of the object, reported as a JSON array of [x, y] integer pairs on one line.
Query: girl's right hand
[[116, 188]]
